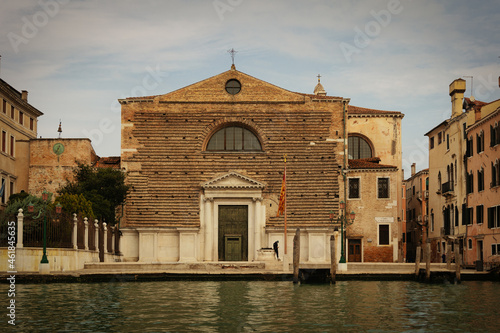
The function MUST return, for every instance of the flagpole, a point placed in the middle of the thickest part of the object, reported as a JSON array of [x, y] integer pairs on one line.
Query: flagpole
[[285, 207]]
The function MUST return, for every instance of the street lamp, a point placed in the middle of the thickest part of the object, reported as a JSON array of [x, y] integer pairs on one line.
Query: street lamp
[[343, 220], [43, 209]]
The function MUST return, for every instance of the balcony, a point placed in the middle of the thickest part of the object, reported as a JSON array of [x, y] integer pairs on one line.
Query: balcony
[[447, 231], [447, 189]]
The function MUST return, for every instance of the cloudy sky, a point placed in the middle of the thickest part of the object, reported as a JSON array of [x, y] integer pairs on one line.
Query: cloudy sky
[[77, 57]]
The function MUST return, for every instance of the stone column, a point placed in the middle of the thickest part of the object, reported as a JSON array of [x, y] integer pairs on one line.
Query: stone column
[[86, 223], [20, 226], [75, 232], [209, 231], [113, 231], [105, 237], [257, 225], [96, 235]]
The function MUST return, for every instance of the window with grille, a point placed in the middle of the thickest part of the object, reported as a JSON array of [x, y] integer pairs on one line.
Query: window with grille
[[354, 188], [383, 188]]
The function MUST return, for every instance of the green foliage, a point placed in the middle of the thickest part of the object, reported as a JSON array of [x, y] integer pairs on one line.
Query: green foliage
[[105, 188], [13, 206], [75, 203], [17, 196]]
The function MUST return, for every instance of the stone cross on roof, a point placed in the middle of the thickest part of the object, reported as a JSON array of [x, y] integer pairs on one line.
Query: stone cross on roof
[[232, 52]]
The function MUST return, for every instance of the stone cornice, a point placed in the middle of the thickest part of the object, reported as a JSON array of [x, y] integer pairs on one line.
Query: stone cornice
[[232, 180]]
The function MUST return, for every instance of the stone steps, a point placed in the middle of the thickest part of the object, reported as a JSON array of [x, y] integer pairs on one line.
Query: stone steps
[[174, 266]]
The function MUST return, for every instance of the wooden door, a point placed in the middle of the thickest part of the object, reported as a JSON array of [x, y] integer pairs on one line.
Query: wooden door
[[354, 250], [232, 246], [233, 233]]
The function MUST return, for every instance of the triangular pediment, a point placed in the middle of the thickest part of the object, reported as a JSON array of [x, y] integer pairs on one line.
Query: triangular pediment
[[213, 90], [233, 180]]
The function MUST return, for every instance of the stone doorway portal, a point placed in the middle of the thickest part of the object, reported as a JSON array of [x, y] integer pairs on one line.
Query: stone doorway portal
[[233, 233]]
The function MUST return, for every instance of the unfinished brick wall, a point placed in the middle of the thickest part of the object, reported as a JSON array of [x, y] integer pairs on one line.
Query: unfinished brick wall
[[164, 139], [378, 253]]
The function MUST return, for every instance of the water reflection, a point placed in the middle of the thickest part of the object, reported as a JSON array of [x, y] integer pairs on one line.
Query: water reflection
[[250, 306]]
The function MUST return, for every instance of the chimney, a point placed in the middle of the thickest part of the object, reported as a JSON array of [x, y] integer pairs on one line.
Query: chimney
[[24, 95], [457, 90], [413, 169]]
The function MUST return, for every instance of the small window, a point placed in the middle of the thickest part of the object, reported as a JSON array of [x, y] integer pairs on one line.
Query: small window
[[494, 249], [12, 111], [354, 188], [447, 141], [4, 141], [480, 142], [12, 145], [480, 180], [431, 143], [233, 86], [21, 118], [479, 214], [32, 124], [234, 138], [11, 188], [383, 234], [3, 192], [440, 138], [383, 188], [432, 220]]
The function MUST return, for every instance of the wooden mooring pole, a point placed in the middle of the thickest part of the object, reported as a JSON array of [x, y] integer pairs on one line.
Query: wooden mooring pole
[[417, 260], [458, 260], [333, 260], [296, 256], [428, 260], [448, 254]]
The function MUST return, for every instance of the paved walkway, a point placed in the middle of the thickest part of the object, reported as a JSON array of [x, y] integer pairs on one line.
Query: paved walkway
[[120, 271]]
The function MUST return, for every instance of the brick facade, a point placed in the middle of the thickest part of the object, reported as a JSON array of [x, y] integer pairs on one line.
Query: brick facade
[[164, 150]]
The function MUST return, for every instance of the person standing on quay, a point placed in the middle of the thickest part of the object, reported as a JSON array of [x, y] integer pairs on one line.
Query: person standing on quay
[[276, 247]]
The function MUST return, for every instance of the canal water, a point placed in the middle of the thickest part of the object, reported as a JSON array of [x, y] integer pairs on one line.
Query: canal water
[[255, 306]]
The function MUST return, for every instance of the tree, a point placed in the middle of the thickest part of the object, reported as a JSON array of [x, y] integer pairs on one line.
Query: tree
[[76, 203], [105, 188]]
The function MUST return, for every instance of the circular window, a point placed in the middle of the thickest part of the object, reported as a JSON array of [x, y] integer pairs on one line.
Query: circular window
[[233, 86]]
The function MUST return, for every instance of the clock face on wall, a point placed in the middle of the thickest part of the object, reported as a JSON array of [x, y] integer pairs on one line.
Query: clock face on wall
[[58, 148]]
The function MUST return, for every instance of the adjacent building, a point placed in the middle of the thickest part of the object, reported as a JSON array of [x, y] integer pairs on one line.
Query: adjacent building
[[206, 163], [417, 211], [52, 162], [447, 176], [18, 125], [374, 181], [482, 215]]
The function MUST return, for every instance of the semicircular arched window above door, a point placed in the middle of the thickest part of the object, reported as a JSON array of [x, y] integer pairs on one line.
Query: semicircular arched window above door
[[234, 138]]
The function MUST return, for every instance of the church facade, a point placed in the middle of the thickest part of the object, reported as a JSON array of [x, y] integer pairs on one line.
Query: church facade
[[205, 164]]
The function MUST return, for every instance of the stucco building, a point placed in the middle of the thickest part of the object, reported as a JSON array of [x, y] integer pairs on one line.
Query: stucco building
[[483, 182], [447, 176], [18, 122], [374, 181], [206, 162], [417, 211]]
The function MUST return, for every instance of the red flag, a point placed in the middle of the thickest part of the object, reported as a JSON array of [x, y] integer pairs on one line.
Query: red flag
[[282, 200]]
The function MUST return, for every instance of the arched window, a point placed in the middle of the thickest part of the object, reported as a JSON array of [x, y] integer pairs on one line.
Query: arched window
[[358, 147], [234, 138]]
